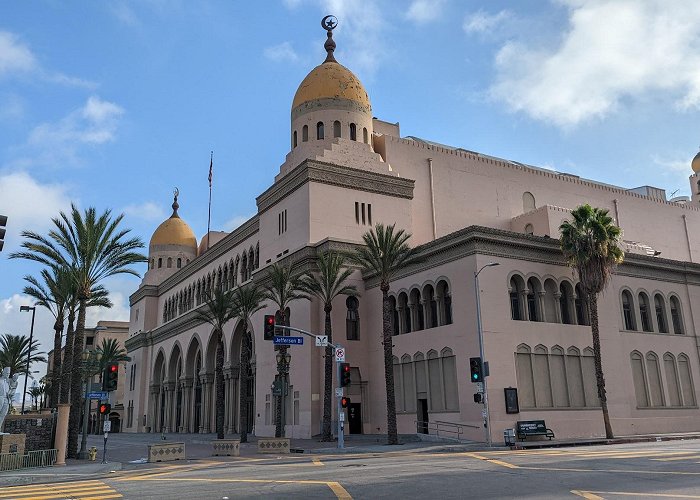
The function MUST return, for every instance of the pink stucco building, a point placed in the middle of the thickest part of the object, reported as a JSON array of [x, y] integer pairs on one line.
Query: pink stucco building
[[347, 171]]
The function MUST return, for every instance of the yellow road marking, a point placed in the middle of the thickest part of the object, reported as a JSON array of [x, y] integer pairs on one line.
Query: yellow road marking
[[42, 487], [492, 460], [80, 489], [616, 471], [316, 461], [587, 494], [333, 485], [687, 457], [627, 493]]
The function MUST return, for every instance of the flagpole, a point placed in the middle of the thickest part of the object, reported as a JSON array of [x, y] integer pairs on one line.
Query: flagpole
[[211, 166]]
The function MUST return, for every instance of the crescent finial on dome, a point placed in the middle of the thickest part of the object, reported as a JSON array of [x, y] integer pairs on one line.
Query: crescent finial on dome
[[329, 23], [175, 205]]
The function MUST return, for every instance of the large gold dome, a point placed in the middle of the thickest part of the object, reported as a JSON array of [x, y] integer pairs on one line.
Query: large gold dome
[[174, 231], [331, 80], [695, 164]]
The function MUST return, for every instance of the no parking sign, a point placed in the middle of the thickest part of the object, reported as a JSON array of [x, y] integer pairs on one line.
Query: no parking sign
[[339, 354]]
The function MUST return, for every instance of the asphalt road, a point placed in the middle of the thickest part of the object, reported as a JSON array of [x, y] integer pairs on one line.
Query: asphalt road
[[651, 470]]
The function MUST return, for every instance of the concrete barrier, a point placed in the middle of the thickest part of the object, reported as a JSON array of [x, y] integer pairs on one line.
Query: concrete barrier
[[166, 452], [227, 447], [273, 445]]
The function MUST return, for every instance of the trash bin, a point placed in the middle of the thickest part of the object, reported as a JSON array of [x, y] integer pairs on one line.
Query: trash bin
[[92, 453], [509, 437]]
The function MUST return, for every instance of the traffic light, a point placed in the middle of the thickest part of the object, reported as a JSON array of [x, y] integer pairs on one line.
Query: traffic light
[[3, 223], [110, 377], [269, 327], [344, 374], [344, 402], [105, 408], [478, 398], [476, 367]]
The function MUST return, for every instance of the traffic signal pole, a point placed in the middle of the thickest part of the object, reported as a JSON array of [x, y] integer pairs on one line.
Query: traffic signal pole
[[341, 423]]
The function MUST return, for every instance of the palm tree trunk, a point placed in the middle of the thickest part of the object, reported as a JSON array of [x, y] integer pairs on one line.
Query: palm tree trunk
[[243, 369], [56, 372], [67, 359], [600, 379], [328, 379], [220, 406], [392, 433], [76, 396]]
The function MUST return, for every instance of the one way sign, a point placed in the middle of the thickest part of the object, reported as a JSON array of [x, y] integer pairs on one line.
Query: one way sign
[[321, 340]]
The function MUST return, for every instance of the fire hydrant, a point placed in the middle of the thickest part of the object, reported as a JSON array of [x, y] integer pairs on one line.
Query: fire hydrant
[[92, 453]]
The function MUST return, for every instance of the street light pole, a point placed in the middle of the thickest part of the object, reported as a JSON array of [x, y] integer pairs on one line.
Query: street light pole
[[29, 350], [88, 360], [480, 331]]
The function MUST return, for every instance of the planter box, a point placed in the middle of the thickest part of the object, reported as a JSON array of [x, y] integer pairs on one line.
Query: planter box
[[165, 452], [273, 445], [226, 447]]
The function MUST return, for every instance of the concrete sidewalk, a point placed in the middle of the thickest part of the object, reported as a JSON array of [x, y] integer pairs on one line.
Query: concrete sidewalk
[[636, 438]]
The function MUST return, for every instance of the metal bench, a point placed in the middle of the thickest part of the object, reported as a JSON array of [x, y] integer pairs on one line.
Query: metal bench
[[527, 428]]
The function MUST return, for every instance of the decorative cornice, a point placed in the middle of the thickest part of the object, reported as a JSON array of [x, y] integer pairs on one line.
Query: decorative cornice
[[334, 175], [143, 292]]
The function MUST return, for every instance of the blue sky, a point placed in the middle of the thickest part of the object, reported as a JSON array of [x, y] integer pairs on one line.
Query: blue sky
[[112, 104]]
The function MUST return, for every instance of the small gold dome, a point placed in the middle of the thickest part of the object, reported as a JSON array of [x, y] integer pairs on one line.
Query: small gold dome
[[174, 231], [331, 80], [695, 165]]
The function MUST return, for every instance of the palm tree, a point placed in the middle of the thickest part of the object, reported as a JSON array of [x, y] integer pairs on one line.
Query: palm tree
[[246, 302], [111, 352], [326, 285], [93, 247], [53, 293], [284, 285], [217, 311], [590, 245], [35, 392], [384, 254], [14, 350]]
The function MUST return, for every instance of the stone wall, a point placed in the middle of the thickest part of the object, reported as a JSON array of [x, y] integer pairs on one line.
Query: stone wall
[[37, 427]]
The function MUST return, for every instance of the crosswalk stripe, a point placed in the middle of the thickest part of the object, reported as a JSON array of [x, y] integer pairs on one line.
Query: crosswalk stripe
[[62, 493], [42, 487], [687, 457], [82, 490]]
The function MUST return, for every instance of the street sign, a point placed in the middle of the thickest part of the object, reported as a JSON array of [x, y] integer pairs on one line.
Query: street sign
[[484, 413], [98, 395], [279, 340], [321, 340], [342, 416], [480, 387], [339, 354], [107, 426], [338, 392]]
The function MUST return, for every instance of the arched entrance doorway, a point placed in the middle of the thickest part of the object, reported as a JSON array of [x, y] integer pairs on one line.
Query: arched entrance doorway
[[237, 363]]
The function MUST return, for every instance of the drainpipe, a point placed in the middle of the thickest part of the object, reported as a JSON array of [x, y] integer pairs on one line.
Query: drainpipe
[[432, 197], [687, 237]]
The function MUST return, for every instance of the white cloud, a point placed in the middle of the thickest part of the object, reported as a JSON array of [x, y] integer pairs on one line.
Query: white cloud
[[611, 51], [425, 11], [29, 204], [124, 13], [57, 143], [148, 210], [15, 57], [482, 22], [235, 221], [284, 52]]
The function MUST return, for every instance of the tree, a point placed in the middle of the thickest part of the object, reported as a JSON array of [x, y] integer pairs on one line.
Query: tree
[[217, 311], [284, 285], [246, 302], [35, 392], [52, 293], [384, 254], [93, 247], [590, 245], [111, 352], [14, 350], [326, 285]]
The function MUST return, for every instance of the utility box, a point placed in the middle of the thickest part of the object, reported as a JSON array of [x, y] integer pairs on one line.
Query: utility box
[[509, 437]]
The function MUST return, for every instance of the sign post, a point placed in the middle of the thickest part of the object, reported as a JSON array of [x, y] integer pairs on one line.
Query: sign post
[[106, 427]]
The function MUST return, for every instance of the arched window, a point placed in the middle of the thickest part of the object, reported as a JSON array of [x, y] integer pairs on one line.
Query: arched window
[[431, 307], [528, 202], [416, 306], [394, 316], [179, 262], [574, 370], [405, 314], [581, 306], [529, 229], [153, 263], [654, 377], [566, 300], [365, 135], [660, 308], [639, 378], [628, 311], [686, 378], [644, 314], [160, 262], [517, 287], [170, 262], [304, 133], [353, 132], [352, 321], [444, 300], [589, 380], [674, 388], [676, 316], [294, 139], [523, 370], [551, 304], [336, 128], [543, 379], [533, 306], [319, 130]]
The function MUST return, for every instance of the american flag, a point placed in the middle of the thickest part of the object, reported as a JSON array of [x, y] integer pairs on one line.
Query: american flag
[[211, 169]]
